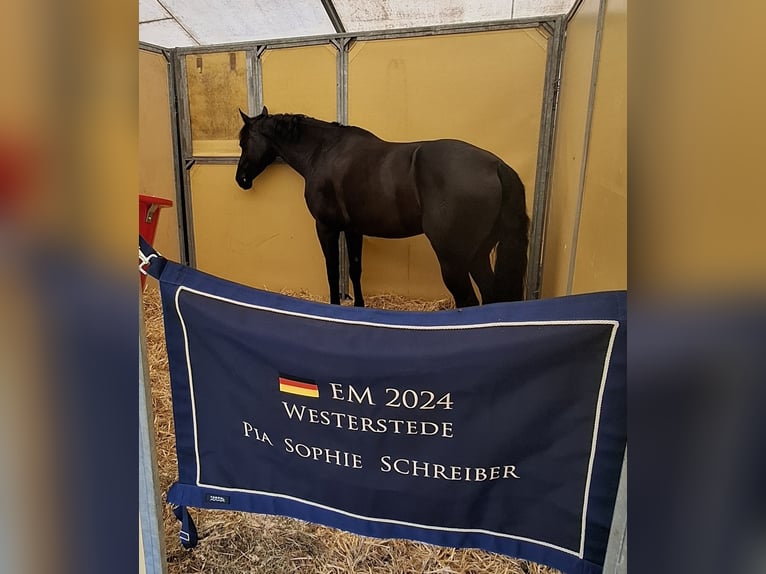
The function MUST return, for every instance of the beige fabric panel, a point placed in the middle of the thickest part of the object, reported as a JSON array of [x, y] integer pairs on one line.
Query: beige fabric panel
[[568, 151], [484, 88], [155, 147], [217, 86], [265, 237], [601, 260], [301, 81]]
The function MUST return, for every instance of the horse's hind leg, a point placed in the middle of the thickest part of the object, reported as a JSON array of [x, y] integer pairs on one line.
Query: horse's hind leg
[[455, 262], [455, 276], [329, 239], [481, 271], [354, 247]]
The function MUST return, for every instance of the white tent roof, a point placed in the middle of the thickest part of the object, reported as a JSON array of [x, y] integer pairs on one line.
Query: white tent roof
[[177, 23]]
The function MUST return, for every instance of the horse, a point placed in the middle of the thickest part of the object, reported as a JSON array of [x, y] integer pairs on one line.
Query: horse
[[464, 199]]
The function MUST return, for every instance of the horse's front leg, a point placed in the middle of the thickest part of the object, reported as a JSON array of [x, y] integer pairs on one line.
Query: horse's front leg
[[354, 248], [329, 239]]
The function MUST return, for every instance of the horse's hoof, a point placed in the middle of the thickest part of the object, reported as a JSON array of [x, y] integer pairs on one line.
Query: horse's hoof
[[358, 303]]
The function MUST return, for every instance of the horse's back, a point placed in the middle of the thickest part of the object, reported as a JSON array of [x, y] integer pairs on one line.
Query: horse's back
[[446, 167], [453, 154]]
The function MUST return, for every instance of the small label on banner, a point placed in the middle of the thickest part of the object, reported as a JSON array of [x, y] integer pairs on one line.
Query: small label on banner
[[217, 498]]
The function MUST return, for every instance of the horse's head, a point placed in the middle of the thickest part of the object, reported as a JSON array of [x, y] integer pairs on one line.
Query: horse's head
[[257, 151]]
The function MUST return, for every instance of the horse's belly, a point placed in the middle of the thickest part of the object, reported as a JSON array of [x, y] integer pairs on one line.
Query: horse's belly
[[393, 233], [390, 219], [389, 209]]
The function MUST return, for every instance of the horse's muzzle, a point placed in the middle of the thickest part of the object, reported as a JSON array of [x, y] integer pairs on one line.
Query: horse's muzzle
[[245, 182]]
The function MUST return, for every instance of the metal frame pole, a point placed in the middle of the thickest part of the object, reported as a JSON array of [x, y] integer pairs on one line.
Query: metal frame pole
[[573, 10], [183, 232], [147, 47], [185, 156], [259, 50], [149, 502], [585, 146], [332, 14], [251, 57], [471, 27], [616, 560], [342, 45], [545, 159]]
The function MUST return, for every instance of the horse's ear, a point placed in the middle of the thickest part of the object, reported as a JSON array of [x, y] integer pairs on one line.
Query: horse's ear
[[245, 118], [264, 111]]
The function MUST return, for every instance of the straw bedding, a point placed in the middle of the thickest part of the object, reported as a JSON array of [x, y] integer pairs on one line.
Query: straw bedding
[[238, 542]]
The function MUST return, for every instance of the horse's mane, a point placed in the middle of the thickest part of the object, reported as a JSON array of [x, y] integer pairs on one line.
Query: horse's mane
[[288, 127]]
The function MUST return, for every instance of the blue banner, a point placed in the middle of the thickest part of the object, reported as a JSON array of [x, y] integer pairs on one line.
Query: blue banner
[[499, 427]]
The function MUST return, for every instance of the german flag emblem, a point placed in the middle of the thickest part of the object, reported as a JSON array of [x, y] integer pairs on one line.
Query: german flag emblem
[[301, 388]]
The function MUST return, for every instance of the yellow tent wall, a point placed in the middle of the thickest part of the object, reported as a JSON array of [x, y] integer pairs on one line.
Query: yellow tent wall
[[585, 244], [156, 171], [601, 258], [485, 88], [263, 237]]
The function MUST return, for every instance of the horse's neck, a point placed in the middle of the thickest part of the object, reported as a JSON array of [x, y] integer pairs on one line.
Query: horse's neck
[[300, 154]]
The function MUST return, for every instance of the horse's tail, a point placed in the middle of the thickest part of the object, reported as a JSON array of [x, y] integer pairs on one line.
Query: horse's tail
[[513, 233]]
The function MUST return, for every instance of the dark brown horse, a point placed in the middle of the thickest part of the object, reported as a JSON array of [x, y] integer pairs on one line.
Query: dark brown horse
[[466, 200]]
